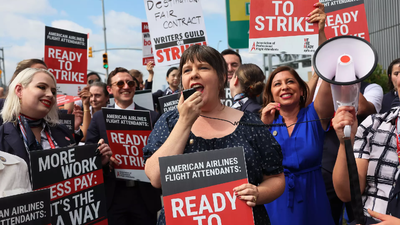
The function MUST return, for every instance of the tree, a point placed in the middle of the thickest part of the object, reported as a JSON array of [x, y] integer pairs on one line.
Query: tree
[[379, 77]]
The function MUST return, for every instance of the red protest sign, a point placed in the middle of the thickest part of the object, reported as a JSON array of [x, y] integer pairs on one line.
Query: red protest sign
[[147, 49], [277, 26], [127, 134], [64, 99], [66, 57], [198, 187], [346, 19], [173, 53], [127, 147]]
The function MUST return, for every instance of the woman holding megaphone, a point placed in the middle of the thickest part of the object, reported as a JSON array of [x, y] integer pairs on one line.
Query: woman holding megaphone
[[376, 150], [300, 130]]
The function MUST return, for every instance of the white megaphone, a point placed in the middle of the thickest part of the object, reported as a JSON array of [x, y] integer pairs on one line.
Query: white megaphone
[[344, 62]]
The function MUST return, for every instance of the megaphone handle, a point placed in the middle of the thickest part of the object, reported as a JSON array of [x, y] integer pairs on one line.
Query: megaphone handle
[[347, 131]]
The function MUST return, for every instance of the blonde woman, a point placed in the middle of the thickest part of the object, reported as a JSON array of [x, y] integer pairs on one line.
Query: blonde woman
[[30, 117]]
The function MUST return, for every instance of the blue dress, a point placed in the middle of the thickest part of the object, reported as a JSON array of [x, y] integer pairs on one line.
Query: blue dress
[[262, 152], [304, 200]]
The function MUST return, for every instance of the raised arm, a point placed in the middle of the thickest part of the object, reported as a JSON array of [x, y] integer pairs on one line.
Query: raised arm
[[346, 116], [323, 102], [149, 67], [85, 96]]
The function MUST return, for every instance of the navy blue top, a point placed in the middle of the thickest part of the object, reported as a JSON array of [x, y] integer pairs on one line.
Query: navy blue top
[[263, 154], [388, 100]]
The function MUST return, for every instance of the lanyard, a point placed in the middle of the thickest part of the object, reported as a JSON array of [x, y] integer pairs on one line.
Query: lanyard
[[24, 135], [397, 138], [50, 140]]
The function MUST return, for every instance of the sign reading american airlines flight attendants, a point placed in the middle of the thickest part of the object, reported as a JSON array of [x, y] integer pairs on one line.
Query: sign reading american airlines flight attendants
[[65, 53], [147, 49], [281, 26], [174, 27], [198, 187], [127, 133]]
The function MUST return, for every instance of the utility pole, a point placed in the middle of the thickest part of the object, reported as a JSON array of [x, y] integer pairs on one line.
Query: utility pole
[[2, 69], [105, 39]]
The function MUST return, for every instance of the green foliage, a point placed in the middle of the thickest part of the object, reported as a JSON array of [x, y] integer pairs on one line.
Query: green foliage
[[379, 77]]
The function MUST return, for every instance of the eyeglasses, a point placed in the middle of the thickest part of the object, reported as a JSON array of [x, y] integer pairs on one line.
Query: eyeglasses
[[92, 81], [121, 83]]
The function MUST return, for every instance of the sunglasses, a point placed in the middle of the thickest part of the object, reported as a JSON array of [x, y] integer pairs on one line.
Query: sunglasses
[[92, 81], [121, 83]]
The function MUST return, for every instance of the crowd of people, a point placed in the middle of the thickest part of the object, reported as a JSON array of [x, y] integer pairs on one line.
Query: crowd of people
[[294, 153]]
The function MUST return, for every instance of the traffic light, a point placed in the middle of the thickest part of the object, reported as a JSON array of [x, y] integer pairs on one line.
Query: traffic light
[[105, 61], [90, 52]]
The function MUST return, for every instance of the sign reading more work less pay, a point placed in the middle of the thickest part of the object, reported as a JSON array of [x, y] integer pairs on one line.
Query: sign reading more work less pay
[[198, 188], [65, 54], [281, 26], [174, 27], [75, 179]]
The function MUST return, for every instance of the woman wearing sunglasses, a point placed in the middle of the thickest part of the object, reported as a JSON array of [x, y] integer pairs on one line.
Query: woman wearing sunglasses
[[191, 128]]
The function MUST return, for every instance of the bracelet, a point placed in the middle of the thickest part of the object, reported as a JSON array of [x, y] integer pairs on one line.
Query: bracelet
[[86, 110]]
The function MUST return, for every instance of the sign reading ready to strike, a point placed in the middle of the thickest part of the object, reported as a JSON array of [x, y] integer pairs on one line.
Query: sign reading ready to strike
[[65, 53], [75, 179], [198, 188], [174, 27], [345, 18], [281, 26], [127, 133]]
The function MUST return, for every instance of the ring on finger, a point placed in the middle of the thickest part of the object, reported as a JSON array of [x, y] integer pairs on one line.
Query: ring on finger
[[254, 199]]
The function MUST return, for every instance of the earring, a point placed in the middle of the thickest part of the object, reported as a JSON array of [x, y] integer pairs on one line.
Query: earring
[[302, 98]]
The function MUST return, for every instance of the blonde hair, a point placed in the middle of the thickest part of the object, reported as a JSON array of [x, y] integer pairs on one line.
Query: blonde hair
[[12, 106]]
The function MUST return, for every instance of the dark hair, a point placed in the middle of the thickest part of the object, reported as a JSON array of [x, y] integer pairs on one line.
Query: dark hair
[[251, 79], [389, 72], [93, 73], [211, 56], [231, 52], [102, 85], [137, 84], [119, 70], [267, 95], [171, 69], [27, 63]]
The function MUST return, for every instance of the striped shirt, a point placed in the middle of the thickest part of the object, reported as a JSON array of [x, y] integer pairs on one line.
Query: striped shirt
[[376, 141]]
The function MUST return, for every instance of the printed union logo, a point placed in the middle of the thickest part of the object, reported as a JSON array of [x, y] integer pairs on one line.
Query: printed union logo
[[253, 47]]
